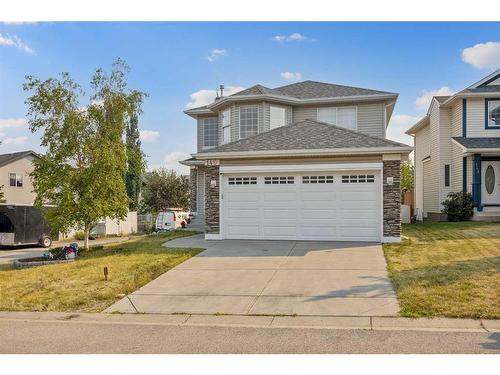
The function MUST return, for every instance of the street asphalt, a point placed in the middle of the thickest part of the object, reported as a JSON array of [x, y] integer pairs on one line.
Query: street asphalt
[[29, 336]]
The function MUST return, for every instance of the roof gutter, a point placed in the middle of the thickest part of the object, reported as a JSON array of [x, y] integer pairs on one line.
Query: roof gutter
[[304, 152]]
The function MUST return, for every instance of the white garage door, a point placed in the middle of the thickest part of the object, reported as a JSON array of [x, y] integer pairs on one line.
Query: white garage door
[[336, 206]]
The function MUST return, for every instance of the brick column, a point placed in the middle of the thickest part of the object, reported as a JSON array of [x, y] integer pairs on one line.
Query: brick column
[[193, 181], [392, 198], [212, 199]]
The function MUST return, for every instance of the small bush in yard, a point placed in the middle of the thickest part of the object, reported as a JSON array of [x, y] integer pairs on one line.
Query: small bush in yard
[[80, 236], [458, 206]]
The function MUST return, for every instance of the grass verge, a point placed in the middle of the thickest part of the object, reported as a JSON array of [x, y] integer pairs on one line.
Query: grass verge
[[447, 270], [80, 286]]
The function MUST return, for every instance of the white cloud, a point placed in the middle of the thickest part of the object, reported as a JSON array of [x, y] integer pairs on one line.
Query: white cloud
[[216, 53], [397, 127], [18, 22], [13, 123], [290, 76], [172, 161], [14, 41], [294, 37], [16, 140], [424, 100], [149, 135], [203, 97], [483, 55]]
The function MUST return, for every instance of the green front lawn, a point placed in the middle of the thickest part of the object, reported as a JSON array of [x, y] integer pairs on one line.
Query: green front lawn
[[80, 286], [447, 269]]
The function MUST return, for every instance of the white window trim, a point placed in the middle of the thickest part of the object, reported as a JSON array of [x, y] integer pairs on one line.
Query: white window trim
[[17, 175], [490, 124], [337, 114], [239, 118], [226, 126], [284, 115], [203, 135]]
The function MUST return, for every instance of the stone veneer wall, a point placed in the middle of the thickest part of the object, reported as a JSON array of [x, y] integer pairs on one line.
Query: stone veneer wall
[[212, 200], [392, 198], [193, 180]]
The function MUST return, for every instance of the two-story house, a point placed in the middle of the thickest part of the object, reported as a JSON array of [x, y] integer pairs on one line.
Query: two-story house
[[306, 161], [457, 148], [15, 169]]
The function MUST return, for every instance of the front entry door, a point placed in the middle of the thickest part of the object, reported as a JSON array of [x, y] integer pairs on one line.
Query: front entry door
[[490, 182]]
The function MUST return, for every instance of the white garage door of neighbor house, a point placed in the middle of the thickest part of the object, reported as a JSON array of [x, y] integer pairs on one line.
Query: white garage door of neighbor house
[[333, 206]]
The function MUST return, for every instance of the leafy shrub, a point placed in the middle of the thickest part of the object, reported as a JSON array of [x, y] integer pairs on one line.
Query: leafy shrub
[[80, 236], [458, 206]]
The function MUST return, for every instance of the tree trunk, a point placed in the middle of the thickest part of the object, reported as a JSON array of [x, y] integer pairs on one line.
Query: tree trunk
[[86, 238]]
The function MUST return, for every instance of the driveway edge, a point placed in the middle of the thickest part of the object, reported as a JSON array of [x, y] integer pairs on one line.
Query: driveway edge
[[264, 321]]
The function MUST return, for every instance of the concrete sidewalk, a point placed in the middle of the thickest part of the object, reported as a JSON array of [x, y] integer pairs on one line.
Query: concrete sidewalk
[[251, 277], [318, 322]]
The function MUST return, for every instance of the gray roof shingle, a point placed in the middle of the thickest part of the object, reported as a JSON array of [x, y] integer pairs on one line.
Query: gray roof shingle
[[9, 158], [310, 90], [307, 134], [314, 89], [490, 142]]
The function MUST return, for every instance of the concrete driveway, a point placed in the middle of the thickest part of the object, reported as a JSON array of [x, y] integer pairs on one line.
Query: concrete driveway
[[270, 277]]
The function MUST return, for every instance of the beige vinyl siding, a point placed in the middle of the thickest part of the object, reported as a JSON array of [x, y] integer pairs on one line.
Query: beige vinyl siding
[[370, 116], [456, 151], [15, 194], [469, 173], [422, 150], [476, 121], [445, 152], [428, 187], [432, 178], [371, 119]]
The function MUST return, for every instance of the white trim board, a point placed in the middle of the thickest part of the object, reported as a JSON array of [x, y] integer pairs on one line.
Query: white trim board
[[299, 167]]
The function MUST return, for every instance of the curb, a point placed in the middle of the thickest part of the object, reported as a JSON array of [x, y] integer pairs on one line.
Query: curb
[[261, 321]]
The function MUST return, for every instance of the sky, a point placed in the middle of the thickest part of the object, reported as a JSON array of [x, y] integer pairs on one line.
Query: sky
[[179, 64]]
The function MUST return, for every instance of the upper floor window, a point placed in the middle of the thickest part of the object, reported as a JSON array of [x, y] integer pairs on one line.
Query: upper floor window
[[493, 111], [15, 179], [249, 121], [210, 132], [226, 126], [277, 117], [345, 117]]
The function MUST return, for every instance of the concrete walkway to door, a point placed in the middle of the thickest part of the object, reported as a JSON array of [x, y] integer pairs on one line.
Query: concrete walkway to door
[[272, 278]]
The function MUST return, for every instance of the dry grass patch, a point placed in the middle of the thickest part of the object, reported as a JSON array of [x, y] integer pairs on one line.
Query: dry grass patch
[[447, 269], [80, 286]]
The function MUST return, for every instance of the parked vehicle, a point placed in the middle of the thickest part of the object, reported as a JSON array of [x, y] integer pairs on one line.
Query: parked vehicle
[[168, 220], [20, 225], [184, 216]]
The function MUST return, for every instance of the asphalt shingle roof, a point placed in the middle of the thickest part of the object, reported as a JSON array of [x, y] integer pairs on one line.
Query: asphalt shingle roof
[[490, 142], [307, 134], [310, 90], [9, 158]]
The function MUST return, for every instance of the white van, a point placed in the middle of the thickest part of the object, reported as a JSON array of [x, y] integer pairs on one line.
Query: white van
[[167, 220]]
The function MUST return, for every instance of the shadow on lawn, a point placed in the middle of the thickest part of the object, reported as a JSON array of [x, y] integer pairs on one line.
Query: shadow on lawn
[[452, 231], [448, 274]]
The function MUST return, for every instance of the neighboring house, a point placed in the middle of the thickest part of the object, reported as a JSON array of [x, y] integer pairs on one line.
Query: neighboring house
[[15, 177], [307, 161], [457, 148]]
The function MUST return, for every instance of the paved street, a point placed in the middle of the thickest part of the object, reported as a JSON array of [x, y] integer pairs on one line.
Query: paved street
[[20, 336], [11, 253], [270, 277]]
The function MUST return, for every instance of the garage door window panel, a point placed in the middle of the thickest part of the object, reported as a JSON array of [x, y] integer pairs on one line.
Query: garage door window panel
[[317, 179], [355, 179], [279, 180], [242, 181]]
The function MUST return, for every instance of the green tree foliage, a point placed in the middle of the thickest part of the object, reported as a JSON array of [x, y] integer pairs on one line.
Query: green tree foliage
[[164, 189], [407, 176], [82, 171], [458, 206], [135, 161], [2, 200]]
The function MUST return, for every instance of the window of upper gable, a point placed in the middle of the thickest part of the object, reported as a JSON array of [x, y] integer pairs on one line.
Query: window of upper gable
[[345, 117], [277, 117], [226, 126], [210, 132], [493, 113], [249, 121]]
